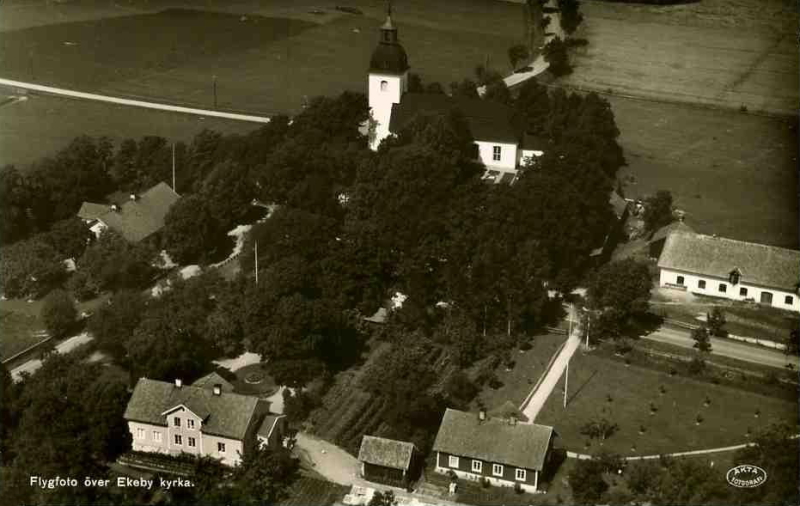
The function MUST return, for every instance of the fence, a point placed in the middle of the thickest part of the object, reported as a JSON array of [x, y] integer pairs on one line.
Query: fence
[[752, 340]]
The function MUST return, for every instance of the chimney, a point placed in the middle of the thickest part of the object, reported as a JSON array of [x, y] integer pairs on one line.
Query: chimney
[[217, 389], [482, 415], [114, 207], [134, 197], [178, 382], [512, 420]]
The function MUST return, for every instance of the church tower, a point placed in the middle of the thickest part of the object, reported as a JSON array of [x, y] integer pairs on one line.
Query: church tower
[[388, 80]]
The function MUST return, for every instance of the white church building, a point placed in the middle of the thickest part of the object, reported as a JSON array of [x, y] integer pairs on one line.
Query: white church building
[[498, 145]]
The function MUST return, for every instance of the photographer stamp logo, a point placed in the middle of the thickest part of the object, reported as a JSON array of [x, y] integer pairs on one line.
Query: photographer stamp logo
[[746, 476]]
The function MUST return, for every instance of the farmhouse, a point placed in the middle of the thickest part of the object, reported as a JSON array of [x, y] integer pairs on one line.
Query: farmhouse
[[137, 219], [731, 269], [500, 450], [207, 421], [497, 143], [387, 461]]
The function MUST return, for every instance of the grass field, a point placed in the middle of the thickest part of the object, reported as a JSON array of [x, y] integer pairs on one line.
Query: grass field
[[18, 331], [673, 427], [518, 382], [41, 126], [734, 174], [268, 63], [719, 52]]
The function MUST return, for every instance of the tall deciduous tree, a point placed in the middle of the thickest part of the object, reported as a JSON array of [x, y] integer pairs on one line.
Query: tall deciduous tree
[[30, 268], [557, 55], [658, 211], [571, 16], [192, 233], [59, 312], [517, 53], [113, 324]]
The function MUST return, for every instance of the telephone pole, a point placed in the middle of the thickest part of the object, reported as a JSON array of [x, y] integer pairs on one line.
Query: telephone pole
[[256, 263], [566, 384], [173, 168], [214, 85]]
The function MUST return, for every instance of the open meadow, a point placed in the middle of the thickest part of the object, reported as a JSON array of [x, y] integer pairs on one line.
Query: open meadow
[[734, 174], [729, 53], [40, 126], [604, 388]]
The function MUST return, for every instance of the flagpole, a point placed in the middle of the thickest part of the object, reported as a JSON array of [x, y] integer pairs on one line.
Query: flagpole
[[256, 267], [566, 384]]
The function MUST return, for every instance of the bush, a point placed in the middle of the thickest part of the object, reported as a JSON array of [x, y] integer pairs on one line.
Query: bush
[[697, 366], [59, 313], [30, 268], [494, 382], [555, 53]]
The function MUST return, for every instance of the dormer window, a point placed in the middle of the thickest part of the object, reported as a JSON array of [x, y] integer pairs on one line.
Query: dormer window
[[384, 85], [734, 276]]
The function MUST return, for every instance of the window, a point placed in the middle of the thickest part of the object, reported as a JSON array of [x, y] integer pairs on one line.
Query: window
[[521, 474], [496, 153], [766, 297], [497, 469], [743, 291], [221, 447], [477, 466], [140, 434], [723, 287], [192, 442], [176, 422], [178, 439], [701, 283], [452, 461], [156, 436], [384, 85], [789, 300], [681, 280], [190, 423]]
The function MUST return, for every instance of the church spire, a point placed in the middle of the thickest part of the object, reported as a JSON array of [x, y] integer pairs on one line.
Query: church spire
[[388, 30]]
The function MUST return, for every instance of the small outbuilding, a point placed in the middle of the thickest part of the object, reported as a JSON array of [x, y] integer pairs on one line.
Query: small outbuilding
[[388, 461]]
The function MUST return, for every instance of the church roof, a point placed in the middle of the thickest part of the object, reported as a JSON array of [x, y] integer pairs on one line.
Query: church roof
[[389, 58], [488, 121]]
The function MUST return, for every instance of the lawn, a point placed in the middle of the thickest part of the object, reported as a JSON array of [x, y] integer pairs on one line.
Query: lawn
[[254, 379], [41, 126], [672, 427], [529, 366], [733, 174], [313, 492], [18, 331], [717, 52]]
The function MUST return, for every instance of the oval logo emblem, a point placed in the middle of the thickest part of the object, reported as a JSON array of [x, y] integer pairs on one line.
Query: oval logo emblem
[[746, 476]]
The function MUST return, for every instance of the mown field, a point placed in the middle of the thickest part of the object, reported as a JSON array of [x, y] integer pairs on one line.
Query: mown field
[[41, 126], [734, 174], [268, 56], [719, 52], [673, 427]]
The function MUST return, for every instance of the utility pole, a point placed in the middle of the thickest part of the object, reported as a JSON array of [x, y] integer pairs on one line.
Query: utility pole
[[566, 384], [173, 168], [214, 85], [256, 264], [588, 328]]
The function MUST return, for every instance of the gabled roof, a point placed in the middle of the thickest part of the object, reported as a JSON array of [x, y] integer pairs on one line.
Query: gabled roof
[[759, 264], [268, 425], [493, 440], [488, 121], [507, 410], [386, 452], [663, 232], [227, 415], [136, 219], [212, 379]]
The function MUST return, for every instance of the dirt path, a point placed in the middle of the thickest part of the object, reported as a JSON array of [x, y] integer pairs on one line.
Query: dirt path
[[32, 366], [327, 459]]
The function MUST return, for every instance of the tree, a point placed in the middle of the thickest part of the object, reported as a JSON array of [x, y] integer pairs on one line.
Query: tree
[[69, 237], [191, 231], [532, 107], [793, 340], [30, 268], [716, 322], [113, 324], [265, 475], [642, 476], [658, 211], [775, 451], [586, 481], [557, 56], [16, 221], [600, 428], [497, 91], [434, 88], [623, 285], [702, 339], [383, 499], [112, 263], [516, 54], [59, 313], [571, 16], [466, 88], [228, 192]]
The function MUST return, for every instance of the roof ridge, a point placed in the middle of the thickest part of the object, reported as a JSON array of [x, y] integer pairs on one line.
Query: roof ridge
[[739, 241]]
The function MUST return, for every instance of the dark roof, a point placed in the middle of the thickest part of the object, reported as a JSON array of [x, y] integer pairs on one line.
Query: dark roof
[[663, 232], [488, 121], [493, 440], [212, 379], [389, 56], [758, 264], [135, 219], [268, 425], [227, 415], [386, 452], [534, 142]]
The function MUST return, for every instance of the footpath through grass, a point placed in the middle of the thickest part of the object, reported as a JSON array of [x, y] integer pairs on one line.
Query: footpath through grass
[[624, 394]]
